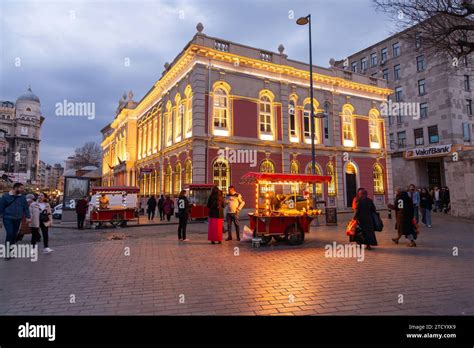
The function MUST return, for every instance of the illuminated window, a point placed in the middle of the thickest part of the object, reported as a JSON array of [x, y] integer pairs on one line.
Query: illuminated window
[[177, 178], [168, 189], [307, 122], [221, 174], [140, 136], [188, 119], [149, 137], [221, 112], [332, 184], [374, 133], [317, 171], [155, 133], [178, 118], [292, 123], [265, 118], [347, 127], [169, 125], [188, 172], [267, 167], [294, 168], [378, 179]]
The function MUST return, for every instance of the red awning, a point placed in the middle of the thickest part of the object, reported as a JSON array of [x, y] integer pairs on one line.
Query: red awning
[[105, 189], [254, 177], [199, 186]]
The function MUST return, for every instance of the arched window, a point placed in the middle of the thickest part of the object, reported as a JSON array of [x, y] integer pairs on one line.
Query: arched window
[[294, 168], [378, 179], [28, 109], [188, 172], [332, 184], [266, 116], [267, 167], [169, 125], [140, 137], [307, 122], [221, 173], [347, 126], [177, 178], [317, 171], [221, 114], [374, 133], [188, 118], [178, 118], [292, 121], [168, 189]]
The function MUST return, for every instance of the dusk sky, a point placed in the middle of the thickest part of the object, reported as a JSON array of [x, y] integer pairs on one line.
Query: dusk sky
[[76, 50]]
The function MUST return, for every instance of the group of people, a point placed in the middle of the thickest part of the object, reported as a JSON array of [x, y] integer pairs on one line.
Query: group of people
[[165, 207], [21, 212]]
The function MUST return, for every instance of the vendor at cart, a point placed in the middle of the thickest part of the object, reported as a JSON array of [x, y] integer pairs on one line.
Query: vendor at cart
[[103, 202]]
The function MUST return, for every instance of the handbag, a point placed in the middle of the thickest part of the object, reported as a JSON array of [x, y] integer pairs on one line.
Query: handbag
[[351, 227], [378, 224], [44, 216]]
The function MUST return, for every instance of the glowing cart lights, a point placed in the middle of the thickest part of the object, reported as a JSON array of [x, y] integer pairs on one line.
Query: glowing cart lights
[[121, 207], [198, 194], [285, 213]]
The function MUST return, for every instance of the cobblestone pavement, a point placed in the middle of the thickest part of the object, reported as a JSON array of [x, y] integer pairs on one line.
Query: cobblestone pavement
[[161, 273]]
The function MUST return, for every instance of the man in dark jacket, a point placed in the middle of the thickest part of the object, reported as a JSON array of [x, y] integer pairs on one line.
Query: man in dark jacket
[[183, 215], [151, 207], [403, 207], [13, 208], [160, 204], [81, 211]]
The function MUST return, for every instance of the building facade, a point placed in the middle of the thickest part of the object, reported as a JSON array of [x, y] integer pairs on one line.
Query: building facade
[[430, 114], [20, 132], [222, 109]]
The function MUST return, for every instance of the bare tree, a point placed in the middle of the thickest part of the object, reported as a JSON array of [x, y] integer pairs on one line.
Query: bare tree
[[444, 26], [90, 154]]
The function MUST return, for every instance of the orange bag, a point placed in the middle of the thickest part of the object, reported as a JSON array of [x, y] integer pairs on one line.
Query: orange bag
[[416, 226], [351, 227]]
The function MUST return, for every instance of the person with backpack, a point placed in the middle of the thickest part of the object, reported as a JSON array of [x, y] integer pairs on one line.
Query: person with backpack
[[183, 214], [45, 221], [13, 208]]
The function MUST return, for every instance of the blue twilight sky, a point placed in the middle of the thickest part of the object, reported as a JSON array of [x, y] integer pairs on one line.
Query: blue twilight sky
[[75, 50]]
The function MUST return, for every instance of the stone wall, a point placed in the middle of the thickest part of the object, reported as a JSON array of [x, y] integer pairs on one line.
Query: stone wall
[[460, 180]]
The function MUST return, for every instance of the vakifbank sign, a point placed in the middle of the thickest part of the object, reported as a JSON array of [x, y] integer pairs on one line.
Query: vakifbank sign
[[431, 151]]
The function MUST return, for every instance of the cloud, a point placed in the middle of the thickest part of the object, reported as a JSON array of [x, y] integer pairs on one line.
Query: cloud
[[75, 50]]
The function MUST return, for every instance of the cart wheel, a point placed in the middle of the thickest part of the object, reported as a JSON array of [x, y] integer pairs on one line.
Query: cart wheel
[[281, 238], [265, 240], [295, 234], [116, 220]]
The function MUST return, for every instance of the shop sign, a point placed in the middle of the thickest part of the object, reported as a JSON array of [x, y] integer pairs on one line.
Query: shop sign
[[431, 151]]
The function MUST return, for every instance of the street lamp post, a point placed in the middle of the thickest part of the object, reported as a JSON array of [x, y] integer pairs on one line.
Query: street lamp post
[[304, 21]]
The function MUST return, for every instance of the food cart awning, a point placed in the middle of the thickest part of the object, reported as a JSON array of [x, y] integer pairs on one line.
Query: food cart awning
[[115, 189], [199, 186], [257, 177]]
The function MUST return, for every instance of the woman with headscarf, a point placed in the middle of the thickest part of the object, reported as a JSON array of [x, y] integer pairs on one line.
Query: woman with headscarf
[[363, 214], [216, 204]]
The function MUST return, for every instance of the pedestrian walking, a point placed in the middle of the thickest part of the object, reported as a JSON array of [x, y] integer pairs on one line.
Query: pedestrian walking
[[45, 221], [81, 210], [357, 196], [437, 199], [445, 200], [183, 215], [151, 207], [216, 204], [365, 208], [404, 210], [426, 205], [160, 204], [13, 208], [235, 203], [168, 207], [415, 198]]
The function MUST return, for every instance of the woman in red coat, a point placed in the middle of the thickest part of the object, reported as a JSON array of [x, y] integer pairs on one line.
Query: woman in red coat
[[215, 203]]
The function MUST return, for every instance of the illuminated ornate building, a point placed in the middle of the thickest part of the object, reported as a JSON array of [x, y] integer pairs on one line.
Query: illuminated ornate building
[[219, 95]]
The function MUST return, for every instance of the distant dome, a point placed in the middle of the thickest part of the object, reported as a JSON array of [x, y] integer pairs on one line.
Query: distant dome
[[28, 96]]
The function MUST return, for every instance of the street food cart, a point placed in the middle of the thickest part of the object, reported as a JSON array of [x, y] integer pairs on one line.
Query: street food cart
[[115, 205], [198, 196], [283, 205]]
